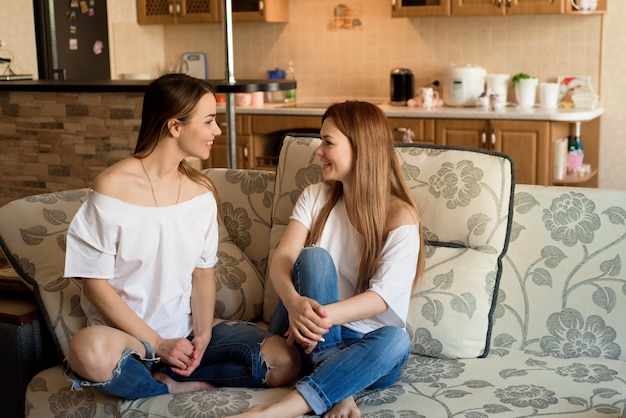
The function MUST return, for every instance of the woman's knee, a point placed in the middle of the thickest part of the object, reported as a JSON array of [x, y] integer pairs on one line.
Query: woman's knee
[[95, 351], [396, 340], [282, 359]]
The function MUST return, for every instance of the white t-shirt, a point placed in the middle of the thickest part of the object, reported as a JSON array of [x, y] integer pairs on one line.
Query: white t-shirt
[[146, 253], [393, 278]]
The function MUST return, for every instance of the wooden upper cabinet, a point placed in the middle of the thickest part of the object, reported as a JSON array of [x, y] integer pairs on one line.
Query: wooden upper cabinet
[[416, 8], [510, 7], [155, 12], [271, 11]]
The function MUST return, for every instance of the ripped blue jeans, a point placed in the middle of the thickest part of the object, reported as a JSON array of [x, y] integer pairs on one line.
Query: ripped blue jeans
[[347, 361], [233, 358]]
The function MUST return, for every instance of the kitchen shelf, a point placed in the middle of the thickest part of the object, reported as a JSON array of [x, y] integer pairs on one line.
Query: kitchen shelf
[[600, 9], [571, 179]]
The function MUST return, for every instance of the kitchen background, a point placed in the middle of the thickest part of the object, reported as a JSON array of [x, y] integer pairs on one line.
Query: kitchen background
[[356, 63]]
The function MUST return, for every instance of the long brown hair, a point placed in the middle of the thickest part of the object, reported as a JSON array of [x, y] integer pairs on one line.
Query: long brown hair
[[172, 96], [377, 177]]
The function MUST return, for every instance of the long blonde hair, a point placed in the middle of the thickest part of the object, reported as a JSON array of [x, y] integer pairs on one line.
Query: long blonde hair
[[377, 177]]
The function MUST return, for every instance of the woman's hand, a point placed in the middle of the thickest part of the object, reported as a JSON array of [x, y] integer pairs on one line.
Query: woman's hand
[[180, 353], [308, 322]]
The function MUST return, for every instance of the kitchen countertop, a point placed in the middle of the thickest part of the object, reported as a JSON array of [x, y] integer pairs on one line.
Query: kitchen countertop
[[317, 106], [510, 112]]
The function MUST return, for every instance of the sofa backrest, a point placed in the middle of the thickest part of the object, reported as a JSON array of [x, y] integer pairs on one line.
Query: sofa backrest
[[33, 231], [563, 291], [465, 198]]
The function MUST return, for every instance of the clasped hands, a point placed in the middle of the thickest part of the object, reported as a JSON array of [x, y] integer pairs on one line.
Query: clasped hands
[[309, 321], [182, 355]]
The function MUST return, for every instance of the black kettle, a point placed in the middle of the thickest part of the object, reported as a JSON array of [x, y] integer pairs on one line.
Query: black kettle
[[402, 86]]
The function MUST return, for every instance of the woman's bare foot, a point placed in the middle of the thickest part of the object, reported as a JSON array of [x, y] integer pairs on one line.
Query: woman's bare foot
[[179, 387], [344, 409]]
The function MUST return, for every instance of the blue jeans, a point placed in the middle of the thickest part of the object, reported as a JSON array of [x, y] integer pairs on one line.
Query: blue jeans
[[233, 358], [347, 361]]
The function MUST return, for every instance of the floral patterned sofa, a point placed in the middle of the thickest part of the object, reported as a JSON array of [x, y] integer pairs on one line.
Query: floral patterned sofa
[[517, 314]]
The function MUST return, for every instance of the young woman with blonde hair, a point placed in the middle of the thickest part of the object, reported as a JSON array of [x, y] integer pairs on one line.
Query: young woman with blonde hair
[[346, 266]]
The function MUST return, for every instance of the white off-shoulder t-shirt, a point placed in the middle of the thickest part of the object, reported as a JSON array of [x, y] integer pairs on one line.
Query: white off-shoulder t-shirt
[[396, 270], [146, 253]]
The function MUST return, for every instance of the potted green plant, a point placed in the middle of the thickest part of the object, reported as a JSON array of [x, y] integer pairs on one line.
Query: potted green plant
[[525, 87]]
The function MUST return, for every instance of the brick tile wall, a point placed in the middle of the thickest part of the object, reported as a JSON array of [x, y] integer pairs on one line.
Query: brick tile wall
[[58, 141]]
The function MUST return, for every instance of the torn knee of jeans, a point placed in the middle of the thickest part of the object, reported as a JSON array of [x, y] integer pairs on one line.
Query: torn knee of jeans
[[264, 362]]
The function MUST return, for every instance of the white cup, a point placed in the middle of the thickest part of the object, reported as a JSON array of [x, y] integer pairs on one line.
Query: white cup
[[549, 95], [428, 96], [584, 5], [525, 92]]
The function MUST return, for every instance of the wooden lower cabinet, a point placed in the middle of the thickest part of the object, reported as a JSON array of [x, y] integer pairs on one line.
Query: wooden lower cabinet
[[529, 143]]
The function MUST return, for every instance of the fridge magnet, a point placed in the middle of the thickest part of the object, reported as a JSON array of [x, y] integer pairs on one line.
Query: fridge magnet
[[83, 6], [71, 15], [72, 29], [73, 44], [92, 3], [91, 11], [74, 4], [97, 47]]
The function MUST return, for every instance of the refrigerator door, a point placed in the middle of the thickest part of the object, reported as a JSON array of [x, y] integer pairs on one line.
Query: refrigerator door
[[72, 39]]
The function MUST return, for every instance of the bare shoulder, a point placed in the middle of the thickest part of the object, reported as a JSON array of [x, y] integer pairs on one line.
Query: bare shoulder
[[401, 213], [119, 179]]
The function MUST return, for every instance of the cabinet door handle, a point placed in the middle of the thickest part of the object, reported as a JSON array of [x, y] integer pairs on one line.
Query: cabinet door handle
[[393, 4], [499, 3], [177, 9], [493, 138], [245, 152], [261, 7], [170, 8], [483, 138], [508, 4]]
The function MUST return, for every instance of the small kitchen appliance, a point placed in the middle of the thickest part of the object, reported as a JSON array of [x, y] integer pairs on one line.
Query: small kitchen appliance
[[402, 86], [195, 65], [463, 84]]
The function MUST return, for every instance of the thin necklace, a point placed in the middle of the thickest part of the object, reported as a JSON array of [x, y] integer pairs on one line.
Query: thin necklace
[[180, 182]]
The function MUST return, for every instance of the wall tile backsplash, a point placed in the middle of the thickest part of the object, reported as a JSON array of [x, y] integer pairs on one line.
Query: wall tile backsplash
[[357, 63]]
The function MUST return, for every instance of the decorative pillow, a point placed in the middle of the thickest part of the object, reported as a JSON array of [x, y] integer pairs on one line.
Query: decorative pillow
[[298, 167], [465, 198]]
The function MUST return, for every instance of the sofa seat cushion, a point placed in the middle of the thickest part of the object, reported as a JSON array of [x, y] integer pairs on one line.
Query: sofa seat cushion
[[508, 383], [465, 199]]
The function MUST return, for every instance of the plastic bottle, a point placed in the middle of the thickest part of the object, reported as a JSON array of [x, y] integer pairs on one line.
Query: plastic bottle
[[290, 75]]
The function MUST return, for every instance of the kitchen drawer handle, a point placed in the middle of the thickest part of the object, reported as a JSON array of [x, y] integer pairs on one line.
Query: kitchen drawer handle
[[393, 4], [483, 138], [493, 137], [508, 3], [499, 3], [261, 6]]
